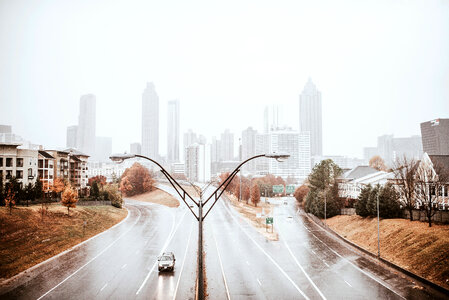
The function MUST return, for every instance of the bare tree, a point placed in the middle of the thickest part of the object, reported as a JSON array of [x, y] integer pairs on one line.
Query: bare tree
[[432, 178], [405, 173], [377, 162]]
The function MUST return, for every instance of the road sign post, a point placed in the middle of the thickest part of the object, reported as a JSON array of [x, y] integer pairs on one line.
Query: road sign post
[[278, 189], [290, 189], [268, 221]]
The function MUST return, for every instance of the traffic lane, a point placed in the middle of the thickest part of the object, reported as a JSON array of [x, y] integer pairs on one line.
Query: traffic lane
[[121, 264], [359, 271], [251, 270], [47, 275]]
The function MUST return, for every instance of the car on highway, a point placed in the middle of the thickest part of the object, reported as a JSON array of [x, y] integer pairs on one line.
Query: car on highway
[[166, 262]]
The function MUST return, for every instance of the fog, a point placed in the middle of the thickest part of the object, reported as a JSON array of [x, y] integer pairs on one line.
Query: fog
[[382, 66]]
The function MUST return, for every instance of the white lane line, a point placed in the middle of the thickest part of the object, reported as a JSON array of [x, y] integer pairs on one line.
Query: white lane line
[[104, 286], [170, 236], [183, 262], [326, 264], [267, 255], [258, 281], [356, 267], [300, 266], [124, 266], [348, 283], [221, 265], [92, 259]]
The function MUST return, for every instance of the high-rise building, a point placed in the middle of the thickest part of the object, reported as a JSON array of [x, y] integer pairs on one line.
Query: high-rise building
[[103, 148], [435, 137], [135, 148], [87, 124], [173, 131], [190, 138], [197, 163], [227, 146], [391, 148], [272, 118], [310, 117], [249, 148], [72, 132], [369, 152], [150, 122]]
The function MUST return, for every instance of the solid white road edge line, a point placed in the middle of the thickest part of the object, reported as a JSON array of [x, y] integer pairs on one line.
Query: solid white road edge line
[[221, 265], [92, 259], [268, 255], [183, 262], [170, 236]]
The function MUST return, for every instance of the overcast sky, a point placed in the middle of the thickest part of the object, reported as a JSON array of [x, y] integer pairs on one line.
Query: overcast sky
[[382, 66]]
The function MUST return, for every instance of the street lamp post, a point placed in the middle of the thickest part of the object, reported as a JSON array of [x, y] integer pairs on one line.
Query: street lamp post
[[200, 204], [378, 229]]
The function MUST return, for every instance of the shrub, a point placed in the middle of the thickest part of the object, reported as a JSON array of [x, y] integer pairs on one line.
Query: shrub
[[114, 195]]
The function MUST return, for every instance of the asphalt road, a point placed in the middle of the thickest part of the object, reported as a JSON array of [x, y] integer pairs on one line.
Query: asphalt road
[[121, 262]]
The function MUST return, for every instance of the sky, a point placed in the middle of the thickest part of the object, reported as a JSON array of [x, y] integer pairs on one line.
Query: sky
[[382, 66]]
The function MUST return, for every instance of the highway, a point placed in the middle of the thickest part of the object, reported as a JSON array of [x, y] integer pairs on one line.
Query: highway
[[305, 263]]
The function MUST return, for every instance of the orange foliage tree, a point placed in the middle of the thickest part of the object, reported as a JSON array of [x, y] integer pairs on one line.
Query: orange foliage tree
[[58, 186], [245, 191], [301, 193], [9, 200], [69, 198], [255, 194], [376, 162], [100, 179], [136, 180]]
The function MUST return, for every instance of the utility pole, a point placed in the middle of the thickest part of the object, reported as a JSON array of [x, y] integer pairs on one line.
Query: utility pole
[[378, 227]]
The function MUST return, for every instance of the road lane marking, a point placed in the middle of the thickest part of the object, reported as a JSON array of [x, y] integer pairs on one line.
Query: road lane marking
[[183, 262], [221, 265], [124, 266], [326, 264], [92, 259], [170, 237], [258, 281], [300, 266], [347, 283], [356, 267], [267, 255], [104, 286]]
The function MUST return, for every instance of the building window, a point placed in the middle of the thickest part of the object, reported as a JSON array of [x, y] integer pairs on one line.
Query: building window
[[19, 174], [46, 164], [19, 162], [8, 174], [41, 174], [1, 161], [9, 162], [30, 172], [40, 164]]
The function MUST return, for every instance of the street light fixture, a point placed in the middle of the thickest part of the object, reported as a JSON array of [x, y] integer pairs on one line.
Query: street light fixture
[[280, 157]]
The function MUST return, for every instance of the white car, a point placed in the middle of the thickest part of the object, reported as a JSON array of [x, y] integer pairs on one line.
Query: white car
[[166, 262]]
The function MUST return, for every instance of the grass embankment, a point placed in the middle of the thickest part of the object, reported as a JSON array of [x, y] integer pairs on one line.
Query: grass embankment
[[157, 196], [249, 212], [27, 239], [414, 246]]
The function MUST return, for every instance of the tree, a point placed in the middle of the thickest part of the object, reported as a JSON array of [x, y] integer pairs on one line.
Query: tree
[[361, 206], [236, 190], [246, 193], [29, 192], [301, 193], [255, 194], [95, 192], [376, 162], [114, 195], [38, 189], [432, 179], [389, 205], [2, 192], [99, 179], [57, 187], [10, 199], [324, 189], [136, 180], [69, 198], [405, 173]]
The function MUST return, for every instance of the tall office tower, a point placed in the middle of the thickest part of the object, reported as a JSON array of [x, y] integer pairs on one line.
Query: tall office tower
[[272, 117], [103, 148], [72, 132], [197, 162], [173, 131], [262, 146], [435, 137], [310, 117], [150, 122], [135, 148], [5, 129], [215, 150], [227, 146], [86, 125], [391, 148], [249, 148], [190, 138], [304, 155], [369, 152]]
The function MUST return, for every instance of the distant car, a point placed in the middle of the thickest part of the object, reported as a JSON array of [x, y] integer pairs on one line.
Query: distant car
[[285, 202], [166, 262]]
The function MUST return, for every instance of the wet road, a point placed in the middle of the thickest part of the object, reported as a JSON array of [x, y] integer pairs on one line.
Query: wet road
[[121, 262], [305, 263]]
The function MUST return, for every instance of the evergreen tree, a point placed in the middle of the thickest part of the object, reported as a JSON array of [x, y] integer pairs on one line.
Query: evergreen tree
[[361, 208], [95, 192], [38, 189]]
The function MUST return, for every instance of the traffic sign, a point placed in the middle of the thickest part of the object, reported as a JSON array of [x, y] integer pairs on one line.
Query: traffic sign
[[278, 189], [269, 220], [290, 189]]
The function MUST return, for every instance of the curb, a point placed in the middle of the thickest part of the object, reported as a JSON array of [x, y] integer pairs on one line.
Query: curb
[[388, 263]]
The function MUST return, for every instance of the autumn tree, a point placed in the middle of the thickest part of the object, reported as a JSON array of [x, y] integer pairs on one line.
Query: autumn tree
[[94, 190], [114, 195], [255, 194], [246, 193], [236, 190], [57, 187], [2, 192], [99, 179], [29, 192], [301, 193], [377, 162], [136, 180], [405, 173], [69, 198], [10, 199]]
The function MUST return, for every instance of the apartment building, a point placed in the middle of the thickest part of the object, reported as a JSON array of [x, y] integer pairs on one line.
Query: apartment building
[[19, 163]]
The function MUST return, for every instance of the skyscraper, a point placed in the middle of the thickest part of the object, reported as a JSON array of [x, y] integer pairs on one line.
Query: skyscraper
[[87, 124], [72, 132], [310, 117], [135, 148], [150, 122], [435, 137], [197, 162], [249, 148], [103, 148], [227, 146], [173, 131]]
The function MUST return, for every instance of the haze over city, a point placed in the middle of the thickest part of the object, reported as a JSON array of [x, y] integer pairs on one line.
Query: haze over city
[[381, 67]]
